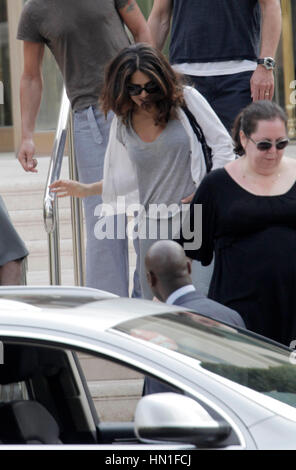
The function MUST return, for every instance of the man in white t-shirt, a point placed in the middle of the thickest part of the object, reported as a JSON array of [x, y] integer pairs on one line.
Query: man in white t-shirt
[[226, 48]]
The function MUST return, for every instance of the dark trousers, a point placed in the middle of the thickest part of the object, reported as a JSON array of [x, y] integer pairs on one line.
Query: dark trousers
[[227, 94]]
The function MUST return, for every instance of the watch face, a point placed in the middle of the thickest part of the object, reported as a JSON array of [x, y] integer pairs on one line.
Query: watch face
[[269, 63]]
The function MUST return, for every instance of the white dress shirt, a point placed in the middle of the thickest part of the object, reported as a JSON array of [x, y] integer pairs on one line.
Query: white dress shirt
[[178, 293]]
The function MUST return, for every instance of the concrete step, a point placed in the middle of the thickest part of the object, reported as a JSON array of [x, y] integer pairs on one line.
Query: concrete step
[[115, 389], [95, 368], [41, 278], [116, 400], [23, 191], [27, 198], [23, 194], [10, 165], [30, 226], [22, 197], [38, 257]]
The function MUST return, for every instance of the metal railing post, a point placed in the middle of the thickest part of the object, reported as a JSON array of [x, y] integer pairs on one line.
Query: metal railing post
[[76, 214], [55, 278], [50, 203]]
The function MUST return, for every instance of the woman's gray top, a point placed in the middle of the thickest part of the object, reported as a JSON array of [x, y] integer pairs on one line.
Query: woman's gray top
[[163, 166], [11, 245]]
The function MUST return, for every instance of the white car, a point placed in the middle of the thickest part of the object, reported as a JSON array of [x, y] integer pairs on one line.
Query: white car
[[223, 388]]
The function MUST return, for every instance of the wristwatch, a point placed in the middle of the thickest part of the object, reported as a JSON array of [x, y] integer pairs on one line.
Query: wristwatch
[[267, 62]]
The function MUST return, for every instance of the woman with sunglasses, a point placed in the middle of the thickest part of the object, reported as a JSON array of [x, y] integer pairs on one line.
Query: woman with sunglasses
[[153, 156], [249, 222]]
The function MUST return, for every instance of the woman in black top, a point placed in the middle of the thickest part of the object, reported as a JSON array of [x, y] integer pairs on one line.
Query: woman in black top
[[249, 222]]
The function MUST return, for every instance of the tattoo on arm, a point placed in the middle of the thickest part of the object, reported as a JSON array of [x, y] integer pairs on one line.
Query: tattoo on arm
[[129, 3], [130, 7]]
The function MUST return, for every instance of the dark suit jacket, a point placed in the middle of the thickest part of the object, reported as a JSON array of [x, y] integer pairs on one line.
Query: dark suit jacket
[[201, 304]]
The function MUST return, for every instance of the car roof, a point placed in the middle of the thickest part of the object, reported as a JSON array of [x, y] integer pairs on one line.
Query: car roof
[[74, 310]]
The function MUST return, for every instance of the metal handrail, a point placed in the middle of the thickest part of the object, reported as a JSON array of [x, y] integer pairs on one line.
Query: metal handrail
[[50, 201], [76, 216]]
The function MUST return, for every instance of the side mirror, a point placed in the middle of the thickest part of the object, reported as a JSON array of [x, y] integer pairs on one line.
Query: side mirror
[[172, 417]]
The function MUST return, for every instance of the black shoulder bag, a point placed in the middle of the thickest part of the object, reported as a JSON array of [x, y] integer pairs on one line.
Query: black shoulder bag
[[207, 151]]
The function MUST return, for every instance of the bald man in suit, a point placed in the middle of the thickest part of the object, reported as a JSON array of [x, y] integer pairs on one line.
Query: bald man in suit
[[169, 276]]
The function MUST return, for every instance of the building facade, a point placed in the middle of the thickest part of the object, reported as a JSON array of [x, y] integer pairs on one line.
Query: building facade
[[11, 64]]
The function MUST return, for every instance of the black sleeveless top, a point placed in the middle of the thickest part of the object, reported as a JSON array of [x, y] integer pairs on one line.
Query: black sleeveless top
[[214, 30]]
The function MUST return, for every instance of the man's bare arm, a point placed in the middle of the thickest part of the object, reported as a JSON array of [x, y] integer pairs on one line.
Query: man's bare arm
[[159, 21], [30, 95], [262, 81], [135, 21]]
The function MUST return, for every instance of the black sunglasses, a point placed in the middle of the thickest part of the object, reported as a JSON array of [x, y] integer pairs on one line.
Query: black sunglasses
[[135, 90], [264, 145]]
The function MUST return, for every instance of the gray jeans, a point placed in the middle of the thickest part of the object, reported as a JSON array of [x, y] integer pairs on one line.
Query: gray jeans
[[107, 265]]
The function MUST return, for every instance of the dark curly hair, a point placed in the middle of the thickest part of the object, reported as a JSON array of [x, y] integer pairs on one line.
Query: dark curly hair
[[151, 62], [248, 119]]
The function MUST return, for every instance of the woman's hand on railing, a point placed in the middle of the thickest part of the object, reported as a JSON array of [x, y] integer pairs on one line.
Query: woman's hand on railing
[[64, 188]]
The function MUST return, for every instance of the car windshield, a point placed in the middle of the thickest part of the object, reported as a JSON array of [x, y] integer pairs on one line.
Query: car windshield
[[243, 358]]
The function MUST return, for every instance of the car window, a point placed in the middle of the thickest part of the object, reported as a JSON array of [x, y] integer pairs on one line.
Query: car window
[[115, 389], [13, 391], [52, 395], [43, 397], [244, 358]]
